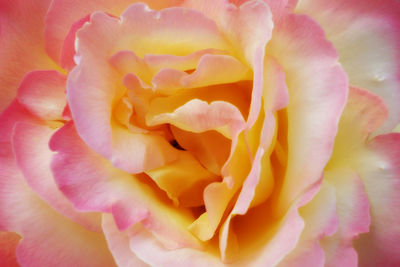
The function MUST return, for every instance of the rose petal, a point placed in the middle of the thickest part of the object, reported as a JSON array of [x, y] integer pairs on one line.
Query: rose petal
[[376, 163], [103, 86], [63, 13], [256, 188], [184, 180], [33, 157], [275, 92], [218, 195], [371, 58], [210, 148], [68, 48], [144, 246], [93, 184], [249, 28], [118, 242], [379, 171], [22, 45], [320, 220], [265, 240], [43, 94], [236, 95], [198, 116], [316, 101], [354, 218], [363, 114], [19, 204], [211, 70]]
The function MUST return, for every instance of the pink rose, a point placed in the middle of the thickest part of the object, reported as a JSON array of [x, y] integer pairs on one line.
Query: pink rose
[[200, 133]]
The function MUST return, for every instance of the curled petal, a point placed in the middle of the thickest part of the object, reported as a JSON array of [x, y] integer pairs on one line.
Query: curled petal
[[33, 157], [198, 116], [63, 13], [93, 184], [43, 94], [19, 204], [379, 171]]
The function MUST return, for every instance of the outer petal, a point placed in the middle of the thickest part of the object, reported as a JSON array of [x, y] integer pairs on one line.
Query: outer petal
[[43, 94], [320, 220], [377, 163], [92, 184], [370, 57], [21, 45], [68, 49], [354, 218], [33, 157], [19, 205], [316, 101], [380, 172]]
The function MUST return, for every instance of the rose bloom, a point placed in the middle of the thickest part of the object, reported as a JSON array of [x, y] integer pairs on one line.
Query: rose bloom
[[199, 133]]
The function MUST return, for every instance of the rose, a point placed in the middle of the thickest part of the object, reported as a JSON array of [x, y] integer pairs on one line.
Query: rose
[[232, 106]]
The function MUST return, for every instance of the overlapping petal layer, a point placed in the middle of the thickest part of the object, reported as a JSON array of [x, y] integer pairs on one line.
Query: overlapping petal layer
[[206, 133], [315, 102], [108, 189], [368, 46], [22, 44], [19, 205]]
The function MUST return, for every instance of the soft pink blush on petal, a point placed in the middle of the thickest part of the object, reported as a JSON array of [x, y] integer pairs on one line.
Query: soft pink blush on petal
[[275, 91], [19, 204], [22, 44], [354, 218], [249, 28], [68, 49], [92, 92], [93, 184], [43, 94], [285, 237], [370, 57], [375, 162], [241, 26], [118, 242], [380, 173], [64, 13], [246, 197], [320, 220], [151, 251], [33, 157], [316, 101]]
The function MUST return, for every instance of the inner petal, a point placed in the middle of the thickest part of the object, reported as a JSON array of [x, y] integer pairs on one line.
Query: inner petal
[[184, 180]]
